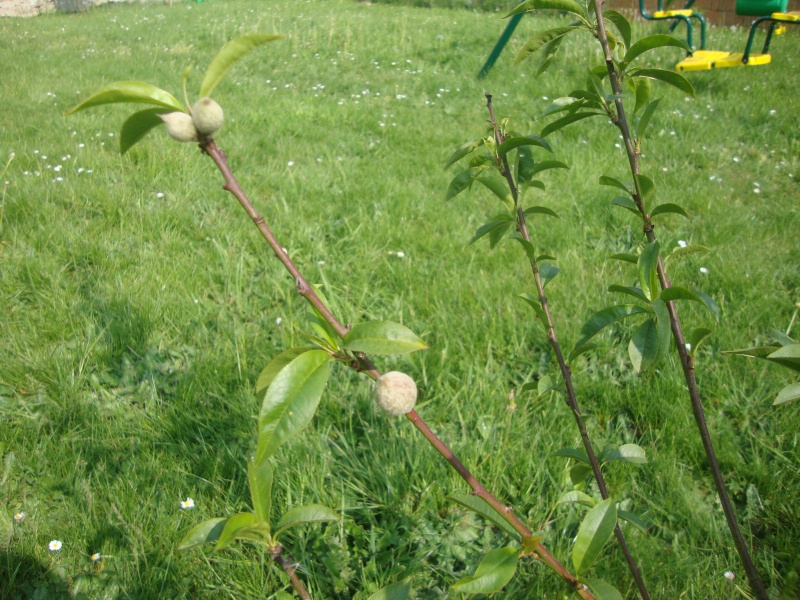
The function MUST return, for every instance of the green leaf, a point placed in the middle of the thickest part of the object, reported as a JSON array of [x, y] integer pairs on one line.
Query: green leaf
[[644, 120], [788, 394], [679, 293], [651, 43], [312, 513], [524, 166], [548, 272], [129, 91], [207, 531], [626, 257], [565, 103], [382, 337], [499, 187], [539, 210], [668, 207], [644, 346], [782, 338], [394, 591], [567, 120], [534, 303], [318, 323], [545, 165], [486, 510], [627, 204], [542, 38], [602, 590], [234, 525], [276, 365], [578, 473], [633, 520], [596, 528], [680, 252], [663, 327], [630, 291], [230, 54], [696, 337], [515, 142], [138, 125], [631, 453], [259, 476], [291, 401], [549, 51], [671, 77], [573, 453], [646, 188], [611, 182], [463, 150], [546, 385], [577, 497], [494, 571], [497, 227], [760, 352], [641, 90], [648, 270], [461, 182], [788, 356], [603, 318], [621, 23], [569, 6]]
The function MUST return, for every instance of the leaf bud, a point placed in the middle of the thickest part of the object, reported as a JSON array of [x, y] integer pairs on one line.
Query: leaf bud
[[396, 393], [207, 116], [180, 126]]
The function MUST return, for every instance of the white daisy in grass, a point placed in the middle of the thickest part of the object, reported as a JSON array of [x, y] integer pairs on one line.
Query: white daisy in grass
[[19, 517], [54, 545], [187, 504]]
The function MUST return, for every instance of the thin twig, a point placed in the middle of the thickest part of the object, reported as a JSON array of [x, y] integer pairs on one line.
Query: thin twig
[[570, 396], [366, 366], [756, 584], [276, 552]]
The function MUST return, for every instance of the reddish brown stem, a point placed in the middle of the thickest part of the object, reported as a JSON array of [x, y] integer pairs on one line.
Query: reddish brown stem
[[276, 552], [756, 584], [570, 396], [307, 291]]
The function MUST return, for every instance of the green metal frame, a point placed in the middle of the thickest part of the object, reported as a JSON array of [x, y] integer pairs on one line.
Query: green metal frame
[[677, 19], [498, 47], [772, 24]]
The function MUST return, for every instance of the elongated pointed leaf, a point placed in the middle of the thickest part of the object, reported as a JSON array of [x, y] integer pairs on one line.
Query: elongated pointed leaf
[[494, 571], [545, 165], [393, 591], [527, 140], [696, 337], [596, 528], [782, 338], [230, 54], [207, 531], [578, 473], [530, 251], [499, 187], [534, 303], [569, 6], [788, 356], [573, 453], [382, 337], [622, 25], [463, 150], [647, 188], [234, 525], [709, 302], [602, 590], [138, 125], [641, 90], [648, 270], [540, 210], [565, 103], [644, 119], [633, 519], [567, 120], [524, 166], [788, 394], [663, 326], [313, 513], [644, 346], [680, 293], [603, 318], [549, 51], [259, 476], [650, 43], [291, 401], [627, 204], [671, 77], [611, 182], [631, 453], [759, 352], [276, 365], [484, 509], [129, 91], [681, 252], [497, 227], [577, 497], [667, 208], [626, 257], [630, 291], [461, 182], [542, 38], [548, 272]]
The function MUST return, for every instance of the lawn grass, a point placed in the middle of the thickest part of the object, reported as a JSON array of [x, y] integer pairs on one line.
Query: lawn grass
[[139, 305]]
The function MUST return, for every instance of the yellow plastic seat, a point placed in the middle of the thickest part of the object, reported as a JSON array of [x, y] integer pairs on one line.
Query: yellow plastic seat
[[701, 60], [735, 60], [666, 14], [790, 17]]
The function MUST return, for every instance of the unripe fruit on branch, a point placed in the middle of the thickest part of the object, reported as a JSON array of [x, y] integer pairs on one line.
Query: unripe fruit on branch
[[180, 126], [207, 116], [396, 393]]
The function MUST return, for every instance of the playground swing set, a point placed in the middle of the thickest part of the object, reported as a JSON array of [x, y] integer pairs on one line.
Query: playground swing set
[[772, 12]]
